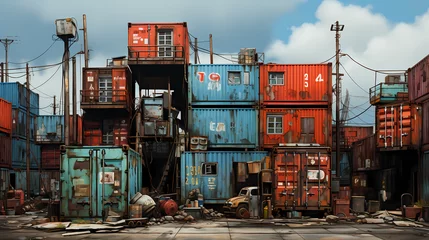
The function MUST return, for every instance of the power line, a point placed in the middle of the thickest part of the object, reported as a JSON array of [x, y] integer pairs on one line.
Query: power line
[[357, 115], [371, 69], [48, 78], [37, 56], [353, 79]]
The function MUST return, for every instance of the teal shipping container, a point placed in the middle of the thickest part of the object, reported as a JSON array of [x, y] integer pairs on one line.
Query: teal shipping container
[[216, 174], [223, 84], [19, 124], [94, 179], [50, 129], [16, 93], [19, 154]]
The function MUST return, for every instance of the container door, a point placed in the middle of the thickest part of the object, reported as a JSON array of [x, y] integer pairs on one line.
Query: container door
[[287, 172], [316, 180], [386, 118], [254, 203], [111, 181], [90, 86], [210, 184], [119, 85], [76, 179], [404, 129]]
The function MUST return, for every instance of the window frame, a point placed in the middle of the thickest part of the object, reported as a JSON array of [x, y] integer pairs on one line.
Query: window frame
[[105, 94], [275, 124], [204, 170], [240, 78], [163, 38], [276, 79]]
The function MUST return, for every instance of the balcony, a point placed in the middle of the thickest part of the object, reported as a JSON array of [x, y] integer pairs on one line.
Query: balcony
[[388, 93], [153, 54], [105, 99]]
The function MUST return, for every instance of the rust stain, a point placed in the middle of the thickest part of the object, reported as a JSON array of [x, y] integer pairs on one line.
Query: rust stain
[[270, 92], [80, 165], [292, 93], [304, 95]]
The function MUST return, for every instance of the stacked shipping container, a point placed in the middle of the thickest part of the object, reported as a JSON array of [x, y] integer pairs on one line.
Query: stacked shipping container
[[5, 147]]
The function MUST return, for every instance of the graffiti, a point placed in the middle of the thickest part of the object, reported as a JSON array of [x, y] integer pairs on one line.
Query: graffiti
[[214, 77], [201, 76], [212, 183], [217, 127], [214, 83]]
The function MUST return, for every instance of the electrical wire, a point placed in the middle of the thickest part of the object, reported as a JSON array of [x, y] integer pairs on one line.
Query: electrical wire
[[353, 79], [37, 56], [371, 69], [34, 88], [357, 115]]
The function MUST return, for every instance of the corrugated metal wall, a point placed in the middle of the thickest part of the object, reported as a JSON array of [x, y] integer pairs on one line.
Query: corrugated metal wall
[[417, 78], [19, 157], [5, 116], [19, 124], [21, 181], [218, 187], [223, 84], [5, 151], [16, 93], [50, 129], [225, 127], [425, 177]]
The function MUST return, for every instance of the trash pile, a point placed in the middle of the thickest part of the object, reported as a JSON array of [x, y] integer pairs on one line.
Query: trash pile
[[210, 213]]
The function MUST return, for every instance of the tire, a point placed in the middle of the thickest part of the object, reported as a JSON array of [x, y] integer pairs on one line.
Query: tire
[[241, 209]]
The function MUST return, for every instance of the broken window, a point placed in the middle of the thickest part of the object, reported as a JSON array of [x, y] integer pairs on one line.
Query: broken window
[[276, 78], [307, 130], [165, 43], [234, 78], [209, 168], [275, 124]]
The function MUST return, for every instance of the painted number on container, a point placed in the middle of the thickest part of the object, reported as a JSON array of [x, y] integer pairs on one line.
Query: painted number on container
[[193, 174], [319, 78]]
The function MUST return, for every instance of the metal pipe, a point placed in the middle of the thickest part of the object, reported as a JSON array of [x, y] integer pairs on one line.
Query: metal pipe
[[85, 40], [103, 152], [385, 127], [66, 92], [2, 72], [306, 179], [286, 195], [393, 122], [400, 122], [338, 97], [211, 48], [74, 128], [27, 130], [293, 183], [318, 177], [90, 182]]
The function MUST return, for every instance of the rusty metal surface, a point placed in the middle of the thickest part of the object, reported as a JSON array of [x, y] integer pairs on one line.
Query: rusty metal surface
[[49, 181], [297, 170], [295, 125], [50, 129], [425, 123], [398, 126], [383, 93], [5, 151], [217, 186], [225, 127], [16, 93], [143, 46], [102, 129], [50, 156], [19, 154], [4, 181], [305, 83], [424, 185], [351, 134], [418, 81], [223, 84], [94, 178], [365, 156], [5, 117], [19, 124], [20, 181]]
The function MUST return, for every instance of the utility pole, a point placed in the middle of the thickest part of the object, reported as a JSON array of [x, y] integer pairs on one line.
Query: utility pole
[[55, 105], [337, 28], [196, 51], [85, 41], [2, 72], [27, 147], [74, 128], [211, 49], [66, 92], [6, 42]]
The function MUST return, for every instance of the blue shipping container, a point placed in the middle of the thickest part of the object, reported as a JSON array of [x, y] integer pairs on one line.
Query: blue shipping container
[[19, 123], [21, 181], [19, 154], [220, 84], [16, 93], [225, 127], [50, 129], [212, 173], [97, 175]]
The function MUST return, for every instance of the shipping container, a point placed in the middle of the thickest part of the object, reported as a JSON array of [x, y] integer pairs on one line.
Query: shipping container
[[113, 131], [19, 156], [384, 93], [365, 154], [50, 129], [223, 84], [425, 126], [85, 180], [78, 131], [225, 127], [5, 117], [19, 181], [50, 156], [418, 81], [346, 159], [350, 134], [304, 84], [4, 183], [424, 185], [19, 124], [398, 126], [50, 183], [16, 93], [215, 173], [5, 151], [107, 88], [295, 125], [302, 177], [163, 43]]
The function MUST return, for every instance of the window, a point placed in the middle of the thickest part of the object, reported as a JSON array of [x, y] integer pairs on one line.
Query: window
[[275, 124], [108, 132], [276, 78], [243, 192], [165, 43], [307, 130], [105, 87], [246, 80], [234, 78], [209, 168], [254, 192]]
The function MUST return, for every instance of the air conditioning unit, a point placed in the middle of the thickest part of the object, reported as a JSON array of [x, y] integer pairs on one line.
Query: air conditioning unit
[[247, 56], [391, 79]]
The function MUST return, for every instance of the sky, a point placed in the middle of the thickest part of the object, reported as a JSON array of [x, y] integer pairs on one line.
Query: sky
[[378, 34]]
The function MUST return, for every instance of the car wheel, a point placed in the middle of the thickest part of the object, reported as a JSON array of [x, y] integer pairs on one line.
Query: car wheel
[[242, 211]]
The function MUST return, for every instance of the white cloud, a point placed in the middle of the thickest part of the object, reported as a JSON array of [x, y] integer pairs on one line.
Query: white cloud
[[368, 37]]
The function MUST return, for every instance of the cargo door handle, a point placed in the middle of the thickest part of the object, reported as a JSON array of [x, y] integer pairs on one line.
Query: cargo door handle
[[82, 203]]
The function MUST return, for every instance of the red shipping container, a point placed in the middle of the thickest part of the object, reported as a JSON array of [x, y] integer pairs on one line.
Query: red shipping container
[[418, 81], [158, 41], [297, 170], [305, 84], [51, 156], [5, 116], [5, 151], [364, 154], [295, 125], [425, 126], [93, 137], [77, 131], [398, 126], [351, 134], [120, 132]]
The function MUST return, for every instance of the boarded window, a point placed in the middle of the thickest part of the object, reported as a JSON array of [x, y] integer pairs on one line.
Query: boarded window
[[209, 168], [307, 130], [276, 78], [165, 43], [234, 78], [275, 124]]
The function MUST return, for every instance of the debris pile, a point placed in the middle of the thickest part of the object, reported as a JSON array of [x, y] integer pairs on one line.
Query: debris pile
[[210, 213]]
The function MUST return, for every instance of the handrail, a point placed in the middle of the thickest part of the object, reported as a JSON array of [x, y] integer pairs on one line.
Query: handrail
[[153, 51], [387, 90], [93, 96]]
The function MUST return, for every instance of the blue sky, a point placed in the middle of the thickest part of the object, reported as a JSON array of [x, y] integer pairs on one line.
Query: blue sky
[[380, 34]]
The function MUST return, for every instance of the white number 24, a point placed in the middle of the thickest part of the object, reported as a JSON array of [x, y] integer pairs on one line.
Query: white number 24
[[319, 78]]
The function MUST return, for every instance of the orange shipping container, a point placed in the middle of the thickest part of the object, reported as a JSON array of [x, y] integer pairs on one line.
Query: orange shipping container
[[302, 178], [5, 116], [77, 131], [295, 125], [351, 134], [398, 126], [158, 41], [306, 84]]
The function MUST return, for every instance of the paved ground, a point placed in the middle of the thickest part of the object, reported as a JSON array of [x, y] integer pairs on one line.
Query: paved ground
[[236, 231]]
